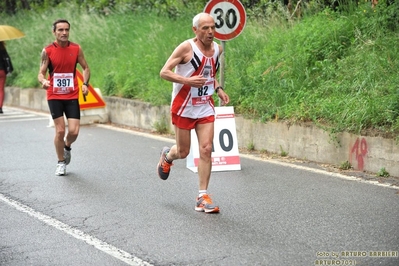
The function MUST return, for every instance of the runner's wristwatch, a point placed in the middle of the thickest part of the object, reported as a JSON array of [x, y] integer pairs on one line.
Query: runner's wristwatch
[[217, 88]]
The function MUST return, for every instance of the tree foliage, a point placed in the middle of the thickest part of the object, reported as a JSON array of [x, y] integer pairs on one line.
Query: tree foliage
[[173, 7]]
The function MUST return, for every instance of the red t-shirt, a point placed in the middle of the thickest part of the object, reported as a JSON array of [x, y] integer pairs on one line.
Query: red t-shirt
[[62, 70]]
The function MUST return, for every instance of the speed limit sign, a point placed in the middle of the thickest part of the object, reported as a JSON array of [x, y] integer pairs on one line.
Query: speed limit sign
[[230, 18]]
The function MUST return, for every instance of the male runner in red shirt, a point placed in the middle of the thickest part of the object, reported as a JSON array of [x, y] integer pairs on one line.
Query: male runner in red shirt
[[61, 58]]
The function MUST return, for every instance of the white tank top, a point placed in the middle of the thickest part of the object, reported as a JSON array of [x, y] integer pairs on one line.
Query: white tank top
[[194, 102]]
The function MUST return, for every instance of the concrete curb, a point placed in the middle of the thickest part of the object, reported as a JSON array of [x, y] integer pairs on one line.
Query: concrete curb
[[299, 141]]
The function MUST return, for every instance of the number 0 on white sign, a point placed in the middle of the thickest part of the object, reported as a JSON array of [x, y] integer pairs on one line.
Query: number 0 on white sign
[[225, 154]]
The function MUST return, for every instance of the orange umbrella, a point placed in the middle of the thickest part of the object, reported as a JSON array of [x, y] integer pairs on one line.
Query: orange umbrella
[[9, 33]]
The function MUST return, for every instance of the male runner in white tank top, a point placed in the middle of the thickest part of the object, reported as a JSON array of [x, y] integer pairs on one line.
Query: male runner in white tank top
[[195, 63]]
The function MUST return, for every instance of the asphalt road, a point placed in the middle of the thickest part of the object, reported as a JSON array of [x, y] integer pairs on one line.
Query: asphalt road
[[112, 209]]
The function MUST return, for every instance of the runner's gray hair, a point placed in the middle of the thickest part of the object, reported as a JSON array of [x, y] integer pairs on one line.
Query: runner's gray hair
[[197, 18]]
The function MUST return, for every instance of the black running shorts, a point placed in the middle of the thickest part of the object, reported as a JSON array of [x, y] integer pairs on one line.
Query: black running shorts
[[71, 108]]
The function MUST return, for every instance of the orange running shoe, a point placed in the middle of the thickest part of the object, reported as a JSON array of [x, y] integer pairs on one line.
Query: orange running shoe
[[205, 204], [163, 166]]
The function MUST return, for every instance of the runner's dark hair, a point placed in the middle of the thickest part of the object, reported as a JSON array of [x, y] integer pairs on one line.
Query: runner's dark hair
[[60, 21]]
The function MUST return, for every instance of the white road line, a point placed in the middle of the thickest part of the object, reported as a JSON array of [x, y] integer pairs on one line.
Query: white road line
[[18, 120], [80, 235], [17, 115], [142, 134]]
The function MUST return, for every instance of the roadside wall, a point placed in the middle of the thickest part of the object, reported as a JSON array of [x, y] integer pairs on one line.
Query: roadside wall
[[299, 141]]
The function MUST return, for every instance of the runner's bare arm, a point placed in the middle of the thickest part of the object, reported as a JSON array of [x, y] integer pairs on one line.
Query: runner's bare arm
[[223, 96], [225, 99], [180, 55], [86, 71], [43, 70], [220, 50]]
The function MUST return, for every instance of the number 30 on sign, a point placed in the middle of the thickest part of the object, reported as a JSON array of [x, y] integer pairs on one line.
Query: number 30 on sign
[[225, 155], [230, 18]]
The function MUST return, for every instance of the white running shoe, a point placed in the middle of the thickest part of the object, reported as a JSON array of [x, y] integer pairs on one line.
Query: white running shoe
[[67, 156], [61, 169]]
